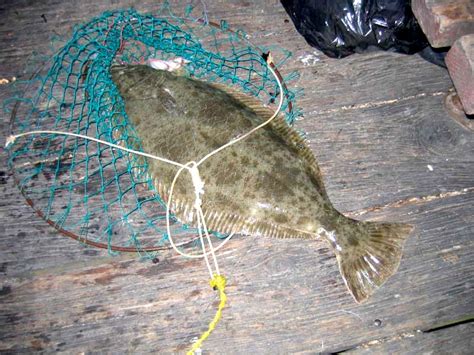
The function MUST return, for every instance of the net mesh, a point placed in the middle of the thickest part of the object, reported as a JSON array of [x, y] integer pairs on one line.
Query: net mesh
[[92, 192]]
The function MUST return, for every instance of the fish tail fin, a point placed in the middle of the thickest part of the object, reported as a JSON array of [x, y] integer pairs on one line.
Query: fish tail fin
[[368, 253]]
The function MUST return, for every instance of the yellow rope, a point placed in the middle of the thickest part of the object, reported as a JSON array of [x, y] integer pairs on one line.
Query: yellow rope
[[218, 282]]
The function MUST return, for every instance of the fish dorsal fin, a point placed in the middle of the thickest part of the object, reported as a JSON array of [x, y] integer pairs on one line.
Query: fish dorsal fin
[[247, 100], [279, 126]]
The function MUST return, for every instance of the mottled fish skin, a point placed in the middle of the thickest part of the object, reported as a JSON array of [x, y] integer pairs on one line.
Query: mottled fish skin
[[268, 184]]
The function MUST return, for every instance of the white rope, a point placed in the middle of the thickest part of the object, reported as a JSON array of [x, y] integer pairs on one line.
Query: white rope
[[11, 139], [191, 167]]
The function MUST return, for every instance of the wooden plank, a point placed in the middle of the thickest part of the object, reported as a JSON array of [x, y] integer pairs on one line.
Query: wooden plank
[[376, 124], [384, 148], [444, 21]]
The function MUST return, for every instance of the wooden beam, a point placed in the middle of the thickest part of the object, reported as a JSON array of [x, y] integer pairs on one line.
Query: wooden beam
[[460, 62], [444, 21]]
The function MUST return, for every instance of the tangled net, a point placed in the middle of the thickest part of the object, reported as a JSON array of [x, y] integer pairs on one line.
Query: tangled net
[[94, 193]]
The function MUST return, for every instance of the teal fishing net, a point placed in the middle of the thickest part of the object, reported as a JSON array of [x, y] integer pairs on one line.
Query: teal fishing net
[[94, 193]]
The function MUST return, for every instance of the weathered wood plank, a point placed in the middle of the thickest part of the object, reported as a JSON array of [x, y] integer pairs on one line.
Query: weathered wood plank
[[391, 152], [375, 122]]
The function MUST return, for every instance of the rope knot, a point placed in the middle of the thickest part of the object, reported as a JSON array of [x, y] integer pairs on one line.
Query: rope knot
[[218, 282], [197, 183], [9, 141]]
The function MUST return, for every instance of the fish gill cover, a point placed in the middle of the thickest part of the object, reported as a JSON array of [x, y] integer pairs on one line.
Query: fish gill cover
[[94, 193]]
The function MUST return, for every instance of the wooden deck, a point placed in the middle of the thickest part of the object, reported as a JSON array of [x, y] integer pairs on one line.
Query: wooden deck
[[388, 151]]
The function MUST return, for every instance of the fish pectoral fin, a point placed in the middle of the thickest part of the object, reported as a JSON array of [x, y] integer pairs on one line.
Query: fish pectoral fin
[[368, 253]]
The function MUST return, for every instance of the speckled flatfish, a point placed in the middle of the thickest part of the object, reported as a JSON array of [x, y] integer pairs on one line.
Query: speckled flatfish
[[268, 184]]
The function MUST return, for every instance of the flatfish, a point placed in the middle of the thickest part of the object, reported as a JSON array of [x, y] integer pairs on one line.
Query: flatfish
[[268, 184]]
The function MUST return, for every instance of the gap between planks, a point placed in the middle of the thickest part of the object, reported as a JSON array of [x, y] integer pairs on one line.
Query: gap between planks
[[368, 345], [376, 103], [411, 201]]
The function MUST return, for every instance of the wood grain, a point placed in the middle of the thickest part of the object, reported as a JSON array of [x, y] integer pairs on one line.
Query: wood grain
[[376, 122]]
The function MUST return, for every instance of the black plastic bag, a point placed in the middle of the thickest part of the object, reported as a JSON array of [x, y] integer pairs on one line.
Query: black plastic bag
[[343, 27]]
